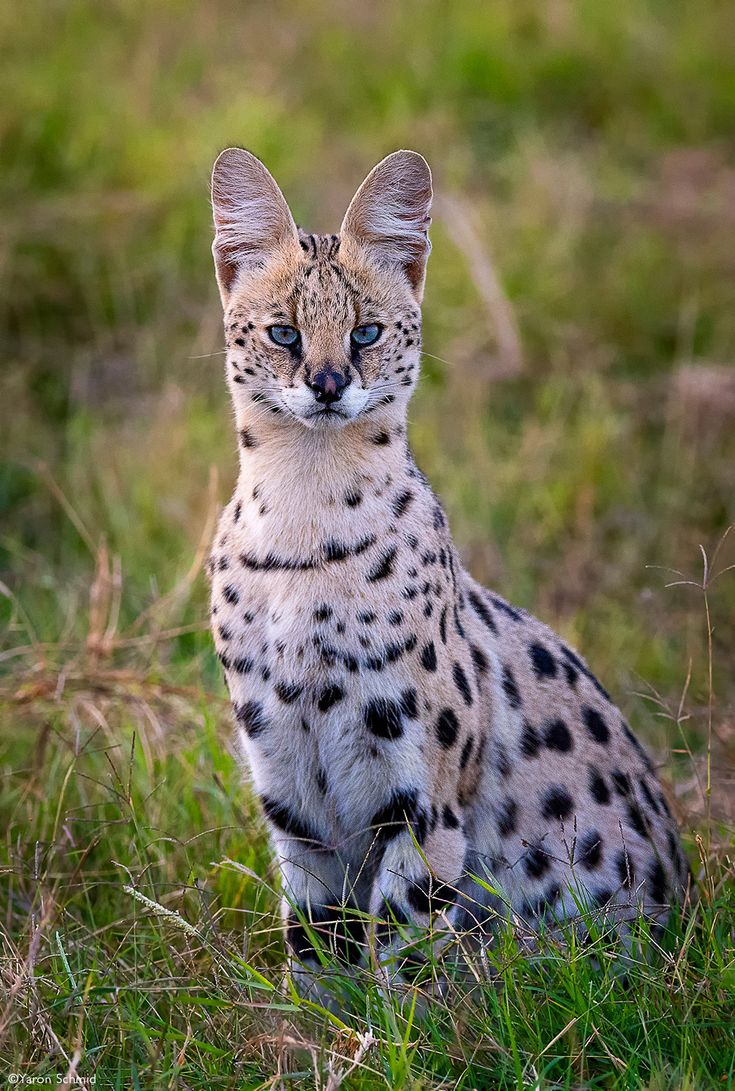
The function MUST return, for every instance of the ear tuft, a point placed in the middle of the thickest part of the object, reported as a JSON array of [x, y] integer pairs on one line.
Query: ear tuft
[[389, 215], [251, 217]]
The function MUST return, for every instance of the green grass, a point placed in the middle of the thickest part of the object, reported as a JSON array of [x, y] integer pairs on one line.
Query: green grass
[[583, 155]]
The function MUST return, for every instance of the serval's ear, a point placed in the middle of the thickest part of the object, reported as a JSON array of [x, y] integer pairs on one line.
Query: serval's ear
[[389, 215], [251, 217]]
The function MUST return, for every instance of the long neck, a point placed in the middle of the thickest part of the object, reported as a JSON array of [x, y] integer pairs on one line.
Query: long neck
[[300, 487]]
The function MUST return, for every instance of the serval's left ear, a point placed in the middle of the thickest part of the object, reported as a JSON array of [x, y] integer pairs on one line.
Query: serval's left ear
[[389, 215]]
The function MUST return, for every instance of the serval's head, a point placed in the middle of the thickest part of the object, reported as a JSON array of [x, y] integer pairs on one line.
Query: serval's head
[[322, 329]]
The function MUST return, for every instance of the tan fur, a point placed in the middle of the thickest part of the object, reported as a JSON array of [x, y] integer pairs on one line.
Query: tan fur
[[382, 697]]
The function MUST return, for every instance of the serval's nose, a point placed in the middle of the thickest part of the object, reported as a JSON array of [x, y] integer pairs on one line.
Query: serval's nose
[[328, 385]]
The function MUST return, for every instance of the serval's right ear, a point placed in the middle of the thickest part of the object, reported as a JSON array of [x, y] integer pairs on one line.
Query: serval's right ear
[[251, 217]]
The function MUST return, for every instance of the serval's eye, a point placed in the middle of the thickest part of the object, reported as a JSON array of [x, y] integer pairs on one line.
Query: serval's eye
[[288, 336], [362, 336]]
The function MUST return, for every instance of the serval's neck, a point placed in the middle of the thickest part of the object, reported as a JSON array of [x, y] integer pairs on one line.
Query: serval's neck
[[302, 487]]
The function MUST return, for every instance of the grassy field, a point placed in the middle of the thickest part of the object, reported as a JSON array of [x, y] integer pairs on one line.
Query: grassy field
[[576, 414]]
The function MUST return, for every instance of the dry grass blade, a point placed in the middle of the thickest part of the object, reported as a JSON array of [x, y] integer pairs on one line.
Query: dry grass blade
[[461, 218]]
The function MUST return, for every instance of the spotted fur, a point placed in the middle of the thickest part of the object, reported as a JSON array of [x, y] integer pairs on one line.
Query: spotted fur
[[405, 729]]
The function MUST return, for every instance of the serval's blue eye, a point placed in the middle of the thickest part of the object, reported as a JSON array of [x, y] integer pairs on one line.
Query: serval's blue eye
[[288, 336], [362, 336]]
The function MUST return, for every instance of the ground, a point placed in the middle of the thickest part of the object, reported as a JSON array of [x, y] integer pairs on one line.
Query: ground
[[575, 415]]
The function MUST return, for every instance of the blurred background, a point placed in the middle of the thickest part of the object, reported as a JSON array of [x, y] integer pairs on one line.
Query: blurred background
[[576, 412]]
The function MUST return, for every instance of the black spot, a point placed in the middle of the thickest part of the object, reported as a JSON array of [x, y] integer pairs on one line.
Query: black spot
[[338, 551], [353, 498], [298, 940], [237, 512], [530, 741], [642, 753], [447, 728], [557, 803], [443, 625], [557, 736], [542, 661], [502, 761], [673, 846], [286, 820], [428, 656], [329, 697], [395, 617], [650, 800], [590, 850], [250, 717], [225, 633], [384, 566], [598, 787], [483, 611], [396, 815], [321, 780], [241, 665], [602, 897], [457, 623], [322, 613], [510, 688], [438, 518], [288, 692], [401, 502], [479, 659], [383, 718], [333, 930], [466, 751], [381, 439], [430, 896], [273, 563], [247, 439], [449, 818], [418, 897], [636, 819], [231, 595], [657, 882], [507, 817], [595, 724], [461, 682], [502, 605], [409, 704], [574, 659], [367, 617], [570, 673], [391, 916], [621, 782], [536, 862], [625, 869]]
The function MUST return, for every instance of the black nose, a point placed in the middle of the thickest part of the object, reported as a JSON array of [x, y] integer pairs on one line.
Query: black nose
[[328, 385]]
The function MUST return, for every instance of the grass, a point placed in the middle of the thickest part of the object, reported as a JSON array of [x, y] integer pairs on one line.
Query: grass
[[575, 414]]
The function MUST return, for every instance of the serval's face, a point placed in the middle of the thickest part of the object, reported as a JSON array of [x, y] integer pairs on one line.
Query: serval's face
[[322, 328]]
